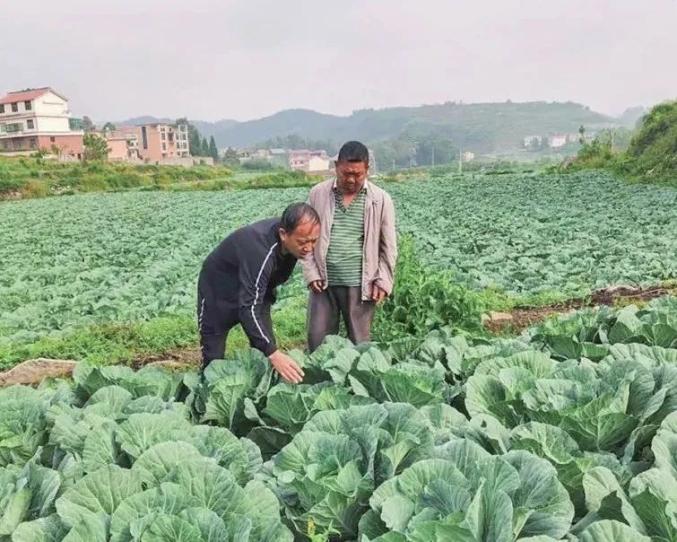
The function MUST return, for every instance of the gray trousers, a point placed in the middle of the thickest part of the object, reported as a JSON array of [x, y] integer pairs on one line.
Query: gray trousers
[[327, 308]]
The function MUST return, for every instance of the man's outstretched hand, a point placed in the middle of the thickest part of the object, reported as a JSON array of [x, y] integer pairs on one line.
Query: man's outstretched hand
[[286, 367]]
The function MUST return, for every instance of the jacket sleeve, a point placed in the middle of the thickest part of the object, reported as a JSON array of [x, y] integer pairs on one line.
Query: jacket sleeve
[[311, 271], [255, 268], [387, 247]]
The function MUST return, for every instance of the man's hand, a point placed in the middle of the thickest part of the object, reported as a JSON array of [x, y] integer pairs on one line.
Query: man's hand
[[317, 286], [378, 294], [286, 367]]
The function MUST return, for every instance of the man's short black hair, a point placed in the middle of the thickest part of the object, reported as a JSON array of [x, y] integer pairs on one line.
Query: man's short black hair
[[296, 213], [354, 151]]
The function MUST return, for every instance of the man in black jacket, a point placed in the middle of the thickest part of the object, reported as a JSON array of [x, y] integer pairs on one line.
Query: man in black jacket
[[238, 280]]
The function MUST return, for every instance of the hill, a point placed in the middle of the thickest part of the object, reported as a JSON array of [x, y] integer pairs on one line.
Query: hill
[[480, 127]]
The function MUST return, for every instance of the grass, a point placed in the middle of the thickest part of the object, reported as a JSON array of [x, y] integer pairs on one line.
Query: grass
[[34, 177], [122, 343]]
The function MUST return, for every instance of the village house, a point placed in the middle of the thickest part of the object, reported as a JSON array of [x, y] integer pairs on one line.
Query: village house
[[39, 119], [309, 161], [123, 143]]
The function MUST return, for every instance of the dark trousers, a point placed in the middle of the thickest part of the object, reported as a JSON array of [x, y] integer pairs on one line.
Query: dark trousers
[[216, 316], [326, 309]]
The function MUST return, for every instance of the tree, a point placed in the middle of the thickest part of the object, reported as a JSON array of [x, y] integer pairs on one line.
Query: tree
[[230, 157], [194, 143], [87, 124], [204, 147], [96, 148], [213, 151], [581, 132], [108, 127]]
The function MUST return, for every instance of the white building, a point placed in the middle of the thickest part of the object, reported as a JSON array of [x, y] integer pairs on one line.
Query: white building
[[557, 140], [35, 119], [318, 163]]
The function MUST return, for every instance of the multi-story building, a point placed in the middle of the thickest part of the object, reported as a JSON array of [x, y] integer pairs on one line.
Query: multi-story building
[[158, 142], [39, 119]]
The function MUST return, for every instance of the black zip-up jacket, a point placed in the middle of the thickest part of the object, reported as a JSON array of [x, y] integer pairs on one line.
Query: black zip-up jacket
[[243, 272]]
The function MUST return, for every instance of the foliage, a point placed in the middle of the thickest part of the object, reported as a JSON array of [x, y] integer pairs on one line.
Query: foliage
[[368, 448], [95, 148], [213, 151], [425, 299], [651, 154], [24, 175]]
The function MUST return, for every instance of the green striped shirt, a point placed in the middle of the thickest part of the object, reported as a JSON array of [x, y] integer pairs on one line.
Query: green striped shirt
[[344, 256]]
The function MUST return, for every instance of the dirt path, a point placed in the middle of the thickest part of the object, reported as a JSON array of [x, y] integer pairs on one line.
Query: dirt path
[[523, 317]]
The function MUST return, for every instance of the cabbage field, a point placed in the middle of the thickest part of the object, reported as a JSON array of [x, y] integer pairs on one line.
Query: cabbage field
[[74, 261], [568, 432]]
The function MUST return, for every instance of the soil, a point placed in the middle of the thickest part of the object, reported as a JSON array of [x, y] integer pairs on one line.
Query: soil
[[34, 371], [176, 358], [524, 317]]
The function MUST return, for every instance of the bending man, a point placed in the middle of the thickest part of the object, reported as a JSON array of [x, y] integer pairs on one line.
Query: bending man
[[238, 280]]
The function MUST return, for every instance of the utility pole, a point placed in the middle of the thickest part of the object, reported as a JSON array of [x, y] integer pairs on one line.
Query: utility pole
[[460, 160], [433, 155]]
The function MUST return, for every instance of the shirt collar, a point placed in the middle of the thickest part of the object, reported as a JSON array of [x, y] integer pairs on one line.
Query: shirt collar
[[364, 186]]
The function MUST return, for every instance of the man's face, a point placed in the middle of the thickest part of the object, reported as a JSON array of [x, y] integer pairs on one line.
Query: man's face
[[350, 176], [301, 241]]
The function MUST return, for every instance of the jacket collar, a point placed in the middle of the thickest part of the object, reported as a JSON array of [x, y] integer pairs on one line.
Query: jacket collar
[[367, 186]]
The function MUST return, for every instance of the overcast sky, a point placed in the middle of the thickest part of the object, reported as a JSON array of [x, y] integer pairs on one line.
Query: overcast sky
[[244, 59]]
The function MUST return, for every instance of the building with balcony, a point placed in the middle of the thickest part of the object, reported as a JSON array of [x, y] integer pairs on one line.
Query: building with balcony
[[161, 142], [39, 119]]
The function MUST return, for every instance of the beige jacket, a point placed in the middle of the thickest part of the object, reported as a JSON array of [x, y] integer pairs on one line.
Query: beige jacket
[[380, 239]]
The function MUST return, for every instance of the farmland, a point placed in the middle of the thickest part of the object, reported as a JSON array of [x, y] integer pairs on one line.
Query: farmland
[[443, 432], [130, 257]]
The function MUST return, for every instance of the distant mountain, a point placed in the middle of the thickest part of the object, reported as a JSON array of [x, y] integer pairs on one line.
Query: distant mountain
[[480, 127], [211, 128]]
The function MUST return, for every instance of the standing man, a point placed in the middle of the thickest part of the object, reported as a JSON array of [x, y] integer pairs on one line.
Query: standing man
[[353, 264], [238, 280]]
